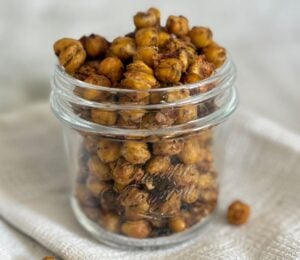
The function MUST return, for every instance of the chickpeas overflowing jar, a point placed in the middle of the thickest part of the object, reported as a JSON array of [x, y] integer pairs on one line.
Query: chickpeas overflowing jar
[[139, 116]]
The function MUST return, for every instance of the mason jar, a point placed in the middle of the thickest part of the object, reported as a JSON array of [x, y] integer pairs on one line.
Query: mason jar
[[144, 173]]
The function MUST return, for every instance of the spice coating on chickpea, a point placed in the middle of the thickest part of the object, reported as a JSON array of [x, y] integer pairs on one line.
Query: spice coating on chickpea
[[135, 152], [94, 94], [146, 37], [215, 54], [169, 70], [94, 45], [123, 48], [98, 168], [178, 25], [108, 151], [103, 117], [147, 54], [238, 213], [112, 68], [177, 224], [158, 164], [201, 36]]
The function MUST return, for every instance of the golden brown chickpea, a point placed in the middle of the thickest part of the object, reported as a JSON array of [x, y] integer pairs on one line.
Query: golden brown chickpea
[[132, 116], [190, 194], [140, 66], [206, 181], [99, 169], [92, 212], [177, 224], [124, 172], [112, 68], [201, 67], [169, 70], [135, 152], [186, 114], [86, 69], [94, 94], [119, 187], [108, 151], [201, 36], [148, 55], [168, 147], [146, 37], [215, 54], [103, 117], [94, 45], [163, 38], [191, 78], [171, 206], [156, 12], [90, 143], [208, 195], [141, 77], [158, 164], [175, 95], [110, 221], [186, 175], [143, 20], [123, 48], [71, 54], [178, 25], [192, 152], [95, 186], [137, 229], [184, 58], [155, 98], [238, 213]]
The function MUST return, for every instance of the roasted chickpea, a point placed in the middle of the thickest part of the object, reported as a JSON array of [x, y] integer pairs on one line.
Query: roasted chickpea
[[143, 20], [190, 194], [103, 117], [201, 67], [108, 151], [140, 66], [85, 197], [146, 37], [71, 54], [132, 116], [156, 12], [192, 152], [95, 186], [110, 221], [168, 147], [169, 70], [90, 143], [124, 172], [186, 175], [112, 68], [191, 78], [148, 55], [135, 152], [98, 168], [238, 213], [201, 36], [208, 195], [177, 224], [158, 164], [123, 48], [142, 77], [88, 68], [137, 229], [163, 38], [175, 95], [206, 181], [94, 94], [215, 54], [186, 114], [94, 45], [178, 25]]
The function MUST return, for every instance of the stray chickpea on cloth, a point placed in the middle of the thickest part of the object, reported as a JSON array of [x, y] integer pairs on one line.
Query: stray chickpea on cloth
[[139, 188]]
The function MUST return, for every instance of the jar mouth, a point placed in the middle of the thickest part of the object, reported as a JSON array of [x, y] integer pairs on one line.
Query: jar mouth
[[223, 93]]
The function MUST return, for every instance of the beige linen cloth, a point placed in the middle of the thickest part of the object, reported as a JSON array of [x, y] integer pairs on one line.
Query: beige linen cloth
[[262, 167]]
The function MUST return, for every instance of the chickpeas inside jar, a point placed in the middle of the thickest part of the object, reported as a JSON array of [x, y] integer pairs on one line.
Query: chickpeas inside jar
[[143, 110]]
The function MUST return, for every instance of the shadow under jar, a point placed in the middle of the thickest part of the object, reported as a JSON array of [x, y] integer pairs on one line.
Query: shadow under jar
[[143, 173]]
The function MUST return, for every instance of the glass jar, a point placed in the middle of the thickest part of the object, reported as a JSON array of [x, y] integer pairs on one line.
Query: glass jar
[[142, 163]]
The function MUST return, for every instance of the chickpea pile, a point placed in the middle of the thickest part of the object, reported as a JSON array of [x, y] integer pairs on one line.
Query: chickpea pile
[[142, 188]]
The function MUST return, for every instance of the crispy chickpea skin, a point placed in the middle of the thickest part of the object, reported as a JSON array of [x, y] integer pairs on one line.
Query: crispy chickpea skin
[[177, 224], [95, 186], [139, 80], [201, 67], [158, 164], [94, 94], [201, 36], [124, 172], [186, 114], [215, 54], [163, 38], [85, 197], [169, 70], [137, 229], [190, 194], [71, 54], [147, 54], [171, 206], [238, 213], [98, 168], [143, 20], [186, 175], [178, 25], [146, 37], [192, 152], [108, 151], [135, 152], [156, 12], [94, 45], [112, 68], [110, 221], [123, 48], [168, 147], [172, 96], [103, 117], [140, 66]]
